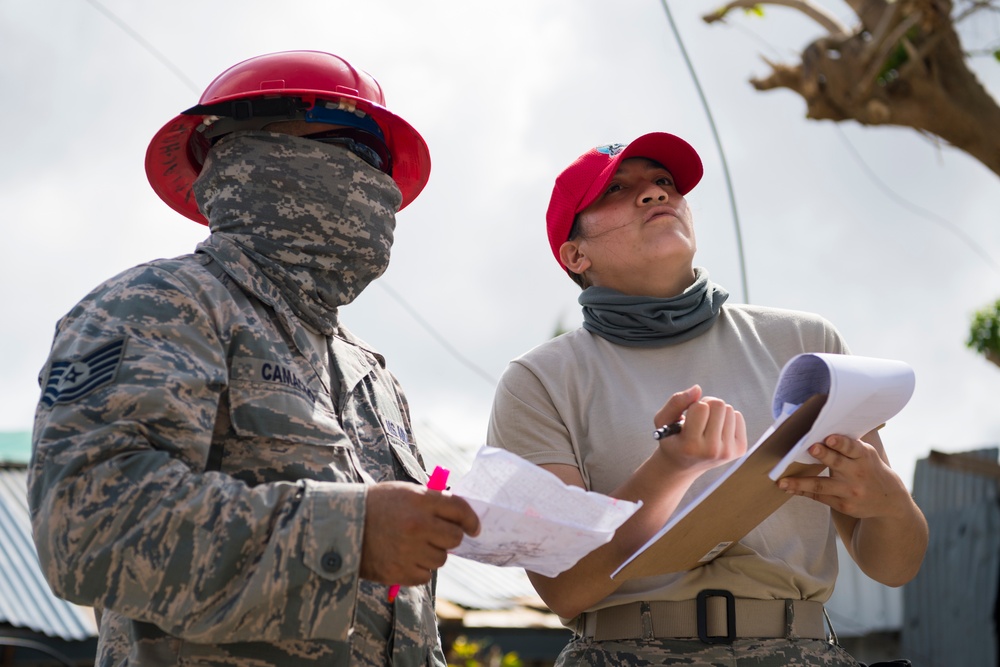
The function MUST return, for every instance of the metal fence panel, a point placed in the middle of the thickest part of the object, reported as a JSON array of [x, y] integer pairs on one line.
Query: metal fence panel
[[949, 606]]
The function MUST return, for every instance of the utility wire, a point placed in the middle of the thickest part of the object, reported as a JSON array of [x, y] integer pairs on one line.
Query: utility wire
[[916, 210], [441, 339], [718, 144], [145, 44]]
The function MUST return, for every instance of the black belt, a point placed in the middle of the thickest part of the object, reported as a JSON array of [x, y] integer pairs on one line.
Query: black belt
[[715, 616]]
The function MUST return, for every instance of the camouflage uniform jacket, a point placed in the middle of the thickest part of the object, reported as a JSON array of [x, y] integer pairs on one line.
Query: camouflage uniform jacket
[[199, 477]]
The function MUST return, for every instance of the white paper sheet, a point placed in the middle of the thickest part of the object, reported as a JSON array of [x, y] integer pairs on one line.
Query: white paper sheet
[[530, 518], [862, 393]]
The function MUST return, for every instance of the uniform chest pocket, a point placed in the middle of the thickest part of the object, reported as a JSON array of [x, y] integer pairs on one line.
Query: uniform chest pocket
[[278, 433], [375, 418], [408, 462]]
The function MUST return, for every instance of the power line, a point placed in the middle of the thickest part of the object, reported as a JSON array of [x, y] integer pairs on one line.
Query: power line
[[144, 44], [917, 210], [718, 144], [438, 337]]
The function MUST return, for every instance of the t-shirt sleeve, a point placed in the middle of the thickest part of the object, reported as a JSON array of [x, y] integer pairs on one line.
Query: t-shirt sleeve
[[524, 420], [833, 341]]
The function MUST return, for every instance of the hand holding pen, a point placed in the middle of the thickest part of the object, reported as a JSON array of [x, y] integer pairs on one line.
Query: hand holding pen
[[703, 431], [666, 431]]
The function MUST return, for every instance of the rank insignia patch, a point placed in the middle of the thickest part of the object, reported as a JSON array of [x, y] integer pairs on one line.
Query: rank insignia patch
[[72, 379]]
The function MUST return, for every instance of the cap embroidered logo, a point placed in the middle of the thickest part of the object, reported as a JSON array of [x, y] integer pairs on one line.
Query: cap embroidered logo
[[610, 149]]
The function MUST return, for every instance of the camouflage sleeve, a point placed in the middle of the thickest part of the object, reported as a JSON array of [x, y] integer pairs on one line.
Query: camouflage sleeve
[[123, 516]]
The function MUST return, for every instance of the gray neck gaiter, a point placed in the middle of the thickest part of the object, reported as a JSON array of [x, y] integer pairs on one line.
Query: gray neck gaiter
[[315, 219], [645, 321]]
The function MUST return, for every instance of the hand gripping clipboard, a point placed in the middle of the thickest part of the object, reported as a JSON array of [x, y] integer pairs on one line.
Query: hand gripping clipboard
[[736, 504]]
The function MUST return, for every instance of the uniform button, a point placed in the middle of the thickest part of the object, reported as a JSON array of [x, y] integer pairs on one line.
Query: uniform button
[[332, 561]]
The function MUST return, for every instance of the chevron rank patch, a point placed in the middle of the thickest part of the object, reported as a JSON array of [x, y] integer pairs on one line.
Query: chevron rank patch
[[72, 379]]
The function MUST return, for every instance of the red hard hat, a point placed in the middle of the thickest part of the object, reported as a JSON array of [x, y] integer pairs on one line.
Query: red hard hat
[[171, 162]]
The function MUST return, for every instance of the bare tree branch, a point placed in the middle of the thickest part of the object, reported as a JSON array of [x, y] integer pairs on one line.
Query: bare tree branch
[[973, 8], [885, 23], [902, 65], [881, 47], [815, 12]]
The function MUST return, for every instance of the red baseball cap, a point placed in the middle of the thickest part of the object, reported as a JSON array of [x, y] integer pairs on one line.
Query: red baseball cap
[[583, 181]]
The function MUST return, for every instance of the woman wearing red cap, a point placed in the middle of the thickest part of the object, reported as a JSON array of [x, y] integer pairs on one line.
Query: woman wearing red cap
[[579, 405]]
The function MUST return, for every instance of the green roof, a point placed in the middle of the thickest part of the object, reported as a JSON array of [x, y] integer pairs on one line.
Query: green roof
[[15, 446]]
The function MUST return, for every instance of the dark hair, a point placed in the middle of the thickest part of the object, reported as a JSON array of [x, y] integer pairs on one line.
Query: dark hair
[[574, 232]]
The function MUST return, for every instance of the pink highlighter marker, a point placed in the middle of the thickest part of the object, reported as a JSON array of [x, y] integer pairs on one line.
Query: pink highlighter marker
[[437, 482]]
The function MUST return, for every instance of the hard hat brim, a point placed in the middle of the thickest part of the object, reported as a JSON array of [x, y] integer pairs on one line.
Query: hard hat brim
[[172, 170]]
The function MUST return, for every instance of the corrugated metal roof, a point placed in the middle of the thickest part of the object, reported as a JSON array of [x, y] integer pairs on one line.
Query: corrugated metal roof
[[437, 450], [481, 586], [25, 598], [465, 582]]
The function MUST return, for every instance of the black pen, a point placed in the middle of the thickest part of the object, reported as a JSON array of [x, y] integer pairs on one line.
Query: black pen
[[668, 430]]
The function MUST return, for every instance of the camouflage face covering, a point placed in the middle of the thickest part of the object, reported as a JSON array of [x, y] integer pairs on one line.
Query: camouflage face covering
[[315, 218]]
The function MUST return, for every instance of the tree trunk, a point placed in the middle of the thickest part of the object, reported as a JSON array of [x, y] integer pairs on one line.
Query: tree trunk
[[903, 65]]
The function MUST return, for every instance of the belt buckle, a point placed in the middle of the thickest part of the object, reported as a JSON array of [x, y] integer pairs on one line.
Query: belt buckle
[[701, 602]]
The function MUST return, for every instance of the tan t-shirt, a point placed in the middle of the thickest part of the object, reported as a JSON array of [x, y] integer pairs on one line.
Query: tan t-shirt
[[583, 401]]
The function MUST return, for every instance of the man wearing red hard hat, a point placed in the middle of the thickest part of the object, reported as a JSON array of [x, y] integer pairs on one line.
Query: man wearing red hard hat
[[220, 468], [585, 404]]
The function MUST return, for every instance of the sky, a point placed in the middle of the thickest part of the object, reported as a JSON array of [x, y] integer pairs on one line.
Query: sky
[[891, 236]]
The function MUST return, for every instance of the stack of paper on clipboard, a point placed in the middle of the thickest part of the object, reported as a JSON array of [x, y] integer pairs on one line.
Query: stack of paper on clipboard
[[817, 395]]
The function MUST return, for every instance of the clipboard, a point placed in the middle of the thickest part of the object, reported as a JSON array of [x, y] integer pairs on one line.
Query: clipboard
[[835, 393], [737, 503]]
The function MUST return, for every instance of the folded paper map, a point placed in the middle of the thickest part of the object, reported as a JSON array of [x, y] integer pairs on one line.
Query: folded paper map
[[530, 518]]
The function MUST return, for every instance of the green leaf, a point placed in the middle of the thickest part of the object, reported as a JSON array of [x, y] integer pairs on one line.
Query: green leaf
[[984, 331]]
